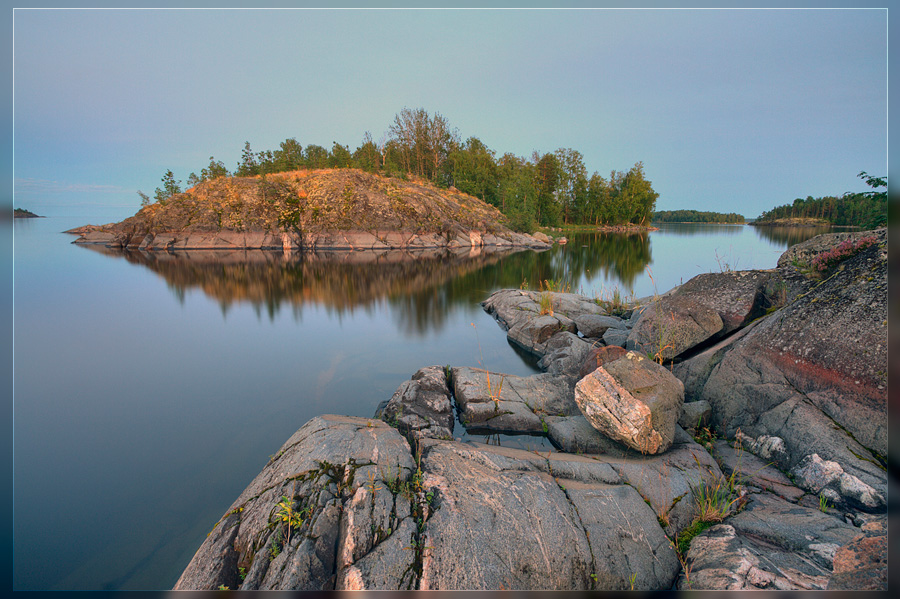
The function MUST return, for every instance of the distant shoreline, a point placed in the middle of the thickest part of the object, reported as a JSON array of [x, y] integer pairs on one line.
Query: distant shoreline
[[798, 222]]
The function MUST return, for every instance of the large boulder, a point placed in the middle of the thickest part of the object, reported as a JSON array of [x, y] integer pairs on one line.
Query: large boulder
[[708, 307], [521, 527], [813, 373], [634, 401]]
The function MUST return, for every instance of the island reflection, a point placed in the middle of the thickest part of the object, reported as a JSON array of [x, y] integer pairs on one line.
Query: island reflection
[[422, 287]]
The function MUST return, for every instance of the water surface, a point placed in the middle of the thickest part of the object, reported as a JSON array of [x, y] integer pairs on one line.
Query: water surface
[[150, 388]]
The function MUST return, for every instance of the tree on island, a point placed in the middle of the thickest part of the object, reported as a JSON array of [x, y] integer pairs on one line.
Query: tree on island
[[547, 189], [867, 209]]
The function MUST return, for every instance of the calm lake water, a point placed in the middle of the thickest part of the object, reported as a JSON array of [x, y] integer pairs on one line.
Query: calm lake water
[[151, 389]]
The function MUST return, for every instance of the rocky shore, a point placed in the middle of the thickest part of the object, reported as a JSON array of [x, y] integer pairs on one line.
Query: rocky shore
[[731, 434]]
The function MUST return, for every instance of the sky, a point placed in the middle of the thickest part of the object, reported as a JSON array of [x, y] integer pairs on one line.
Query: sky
[[729, 110]]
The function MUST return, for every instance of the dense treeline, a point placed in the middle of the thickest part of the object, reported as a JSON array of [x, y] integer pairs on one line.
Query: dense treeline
[[867, 209], [548, 189], [696, 216]]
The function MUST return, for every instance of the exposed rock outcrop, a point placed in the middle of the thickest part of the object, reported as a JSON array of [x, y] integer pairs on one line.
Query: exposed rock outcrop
[[800, 484], [813, 373], [326, 209], [770, 544]]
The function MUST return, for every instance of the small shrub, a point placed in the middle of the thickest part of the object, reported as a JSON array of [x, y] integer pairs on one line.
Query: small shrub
[[546, 303], [844, 250]]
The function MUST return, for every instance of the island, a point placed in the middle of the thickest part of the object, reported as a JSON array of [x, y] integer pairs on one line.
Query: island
[[319, 209], [865, 210], [22, 213]]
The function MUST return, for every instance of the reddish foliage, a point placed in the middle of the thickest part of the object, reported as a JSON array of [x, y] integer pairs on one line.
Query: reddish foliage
[[841, 252]]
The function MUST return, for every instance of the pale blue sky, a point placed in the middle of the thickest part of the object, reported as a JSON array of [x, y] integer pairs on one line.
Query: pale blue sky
[[730, 110]]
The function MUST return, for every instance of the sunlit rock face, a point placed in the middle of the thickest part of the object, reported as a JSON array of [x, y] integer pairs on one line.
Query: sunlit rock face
[[325, 209]]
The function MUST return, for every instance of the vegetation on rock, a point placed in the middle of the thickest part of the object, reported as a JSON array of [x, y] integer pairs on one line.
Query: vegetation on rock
[[314, 201], [546, 189], [22, 213]]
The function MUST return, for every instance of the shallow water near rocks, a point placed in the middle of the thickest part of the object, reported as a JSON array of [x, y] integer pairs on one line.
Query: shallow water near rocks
[[150, 389]]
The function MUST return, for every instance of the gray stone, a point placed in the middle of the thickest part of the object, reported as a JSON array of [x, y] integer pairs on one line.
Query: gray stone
[[518, 311], [594, 325], [770, 544], [566, 354], [574, 434], [421, 406], [748, 469], [826, 478], [707, 307], [504, 403], [615, 337], [668, 328], [694, 414], [634, 401]]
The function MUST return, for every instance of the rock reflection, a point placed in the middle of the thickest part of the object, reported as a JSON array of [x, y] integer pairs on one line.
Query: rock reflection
[[422, 288]]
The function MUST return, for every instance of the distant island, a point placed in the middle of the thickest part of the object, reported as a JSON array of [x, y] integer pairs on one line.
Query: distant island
[[22, 213], [867, 210], [697, 216], [344, 209]]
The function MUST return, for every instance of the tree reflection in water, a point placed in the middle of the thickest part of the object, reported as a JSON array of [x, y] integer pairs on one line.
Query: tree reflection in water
[[422, 287], [794, 235]]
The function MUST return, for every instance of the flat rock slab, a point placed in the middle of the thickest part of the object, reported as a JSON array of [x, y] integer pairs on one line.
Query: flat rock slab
[[751, 470], [504, 403], [557, 534], [372, 517], [771, 544]]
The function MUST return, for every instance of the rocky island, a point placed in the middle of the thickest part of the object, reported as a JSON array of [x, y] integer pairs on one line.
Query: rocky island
[[729, 434], [320, 209], [22, 213]]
